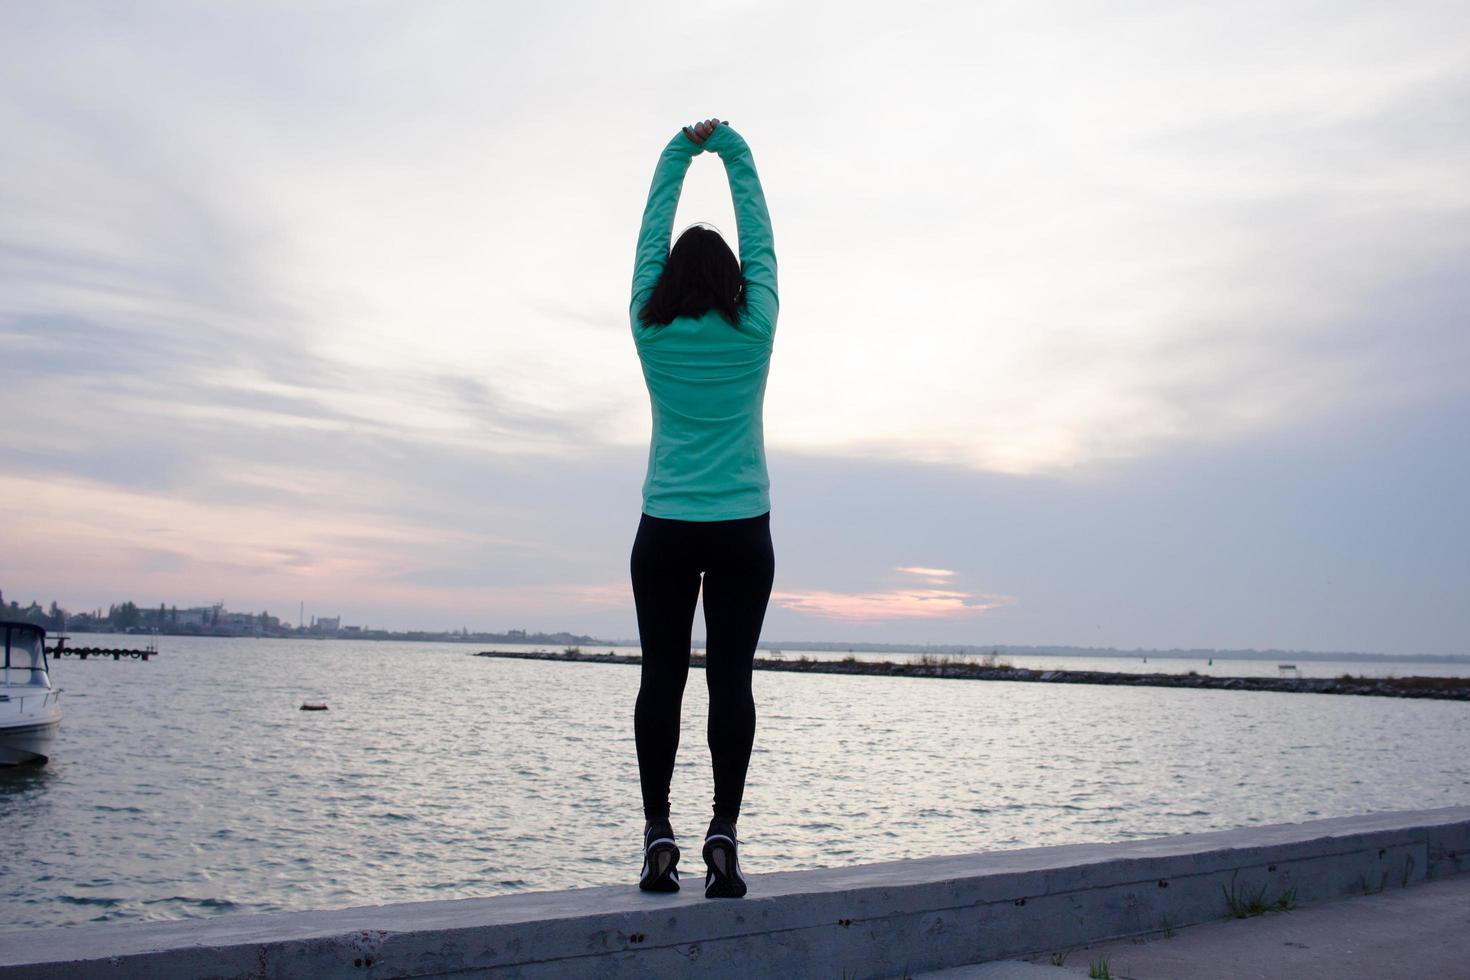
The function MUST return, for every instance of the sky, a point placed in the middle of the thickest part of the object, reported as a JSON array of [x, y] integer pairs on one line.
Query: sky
[[1139, 325]]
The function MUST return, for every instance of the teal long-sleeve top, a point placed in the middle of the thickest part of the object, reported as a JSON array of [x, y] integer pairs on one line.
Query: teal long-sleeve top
[[706, 377]]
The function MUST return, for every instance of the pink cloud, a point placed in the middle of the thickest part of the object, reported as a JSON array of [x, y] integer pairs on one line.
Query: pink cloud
[[926, 572], [86, 544], [934, 576], [894, 604]]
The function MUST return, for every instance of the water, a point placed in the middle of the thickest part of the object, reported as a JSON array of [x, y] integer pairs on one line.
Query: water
[[193, 785]]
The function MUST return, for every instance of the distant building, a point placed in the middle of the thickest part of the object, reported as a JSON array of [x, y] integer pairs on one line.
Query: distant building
[[198, 616]]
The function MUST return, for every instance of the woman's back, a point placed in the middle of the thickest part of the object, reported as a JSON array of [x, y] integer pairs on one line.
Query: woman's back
[[706, 384], [706, 377]]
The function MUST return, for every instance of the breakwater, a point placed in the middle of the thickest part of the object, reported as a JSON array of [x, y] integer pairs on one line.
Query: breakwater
[[869, 921], [1444, 688]]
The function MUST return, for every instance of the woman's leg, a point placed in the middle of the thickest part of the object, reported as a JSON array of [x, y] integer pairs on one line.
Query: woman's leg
[[665, 591], [740, 566]]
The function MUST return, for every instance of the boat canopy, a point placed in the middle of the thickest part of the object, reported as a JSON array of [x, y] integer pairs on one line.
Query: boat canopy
[[24, 655]]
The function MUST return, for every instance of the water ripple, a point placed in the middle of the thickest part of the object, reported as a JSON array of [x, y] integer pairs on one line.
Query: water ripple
[[193, 785]]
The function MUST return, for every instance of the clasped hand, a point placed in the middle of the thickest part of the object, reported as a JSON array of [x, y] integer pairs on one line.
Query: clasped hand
[[701, 131]]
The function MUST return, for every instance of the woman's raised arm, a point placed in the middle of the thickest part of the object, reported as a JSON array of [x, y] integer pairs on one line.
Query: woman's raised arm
[[753, 220], [658, 217]]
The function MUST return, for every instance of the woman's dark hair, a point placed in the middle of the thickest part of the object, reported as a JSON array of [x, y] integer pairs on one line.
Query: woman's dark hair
[[702, 274]]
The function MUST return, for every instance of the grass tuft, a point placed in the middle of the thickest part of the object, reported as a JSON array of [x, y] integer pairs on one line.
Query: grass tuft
[[1243, 905]]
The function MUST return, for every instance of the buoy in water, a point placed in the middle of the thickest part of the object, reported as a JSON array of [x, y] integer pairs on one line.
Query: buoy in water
[[313, 706]]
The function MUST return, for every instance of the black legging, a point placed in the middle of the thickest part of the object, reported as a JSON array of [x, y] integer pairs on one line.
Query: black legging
[[739, 566]]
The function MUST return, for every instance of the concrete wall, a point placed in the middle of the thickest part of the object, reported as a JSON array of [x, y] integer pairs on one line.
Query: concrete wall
[[869, 921]]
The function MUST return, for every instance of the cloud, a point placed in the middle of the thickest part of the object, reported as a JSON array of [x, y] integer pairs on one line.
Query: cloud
[[934, 576], [898, 604], [1129, 248]]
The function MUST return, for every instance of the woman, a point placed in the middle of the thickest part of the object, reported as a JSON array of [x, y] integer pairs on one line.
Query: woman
[[703, 323]]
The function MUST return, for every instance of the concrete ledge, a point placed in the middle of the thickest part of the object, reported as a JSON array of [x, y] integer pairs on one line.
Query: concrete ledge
[[871, 921]]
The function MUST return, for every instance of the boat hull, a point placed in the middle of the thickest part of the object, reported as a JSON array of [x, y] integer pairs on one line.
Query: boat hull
[[29, 720], [27, 744]]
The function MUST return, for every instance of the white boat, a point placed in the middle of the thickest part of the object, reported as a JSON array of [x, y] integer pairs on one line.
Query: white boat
[[30, 709]]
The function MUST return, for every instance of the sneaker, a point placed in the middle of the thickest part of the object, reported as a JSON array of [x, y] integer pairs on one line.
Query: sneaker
[[722, 878], [660, 855]]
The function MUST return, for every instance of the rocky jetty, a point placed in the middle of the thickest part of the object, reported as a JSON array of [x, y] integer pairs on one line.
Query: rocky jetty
[[1445, 688]]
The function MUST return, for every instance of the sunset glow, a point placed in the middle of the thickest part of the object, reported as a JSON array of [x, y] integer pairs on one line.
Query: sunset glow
[[1137, 328]]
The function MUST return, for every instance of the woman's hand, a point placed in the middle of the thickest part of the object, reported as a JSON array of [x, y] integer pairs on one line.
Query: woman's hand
[[701, 130]]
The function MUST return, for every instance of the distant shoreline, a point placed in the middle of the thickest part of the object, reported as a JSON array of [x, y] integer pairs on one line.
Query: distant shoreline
[[1440, 688], [823, 646]]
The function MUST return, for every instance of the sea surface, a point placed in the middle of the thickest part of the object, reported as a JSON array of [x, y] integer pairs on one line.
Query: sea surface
[[193, 784]]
